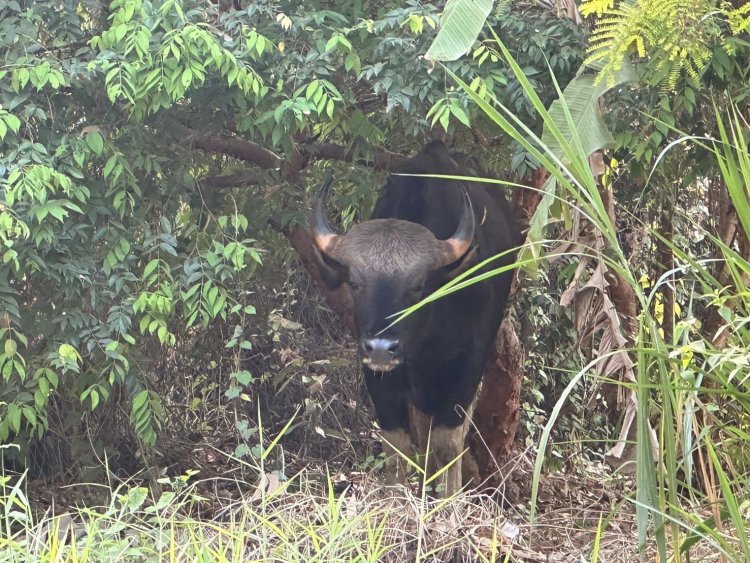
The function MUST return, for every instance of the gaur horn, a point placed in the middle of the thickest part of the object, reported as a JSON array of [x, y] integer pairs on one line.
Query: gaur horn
[[323, 234], [460, 242]]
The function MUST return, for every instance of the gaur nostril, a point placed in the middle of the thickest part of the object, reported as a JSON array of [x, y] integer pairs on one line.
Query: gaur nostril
[[380, 346]]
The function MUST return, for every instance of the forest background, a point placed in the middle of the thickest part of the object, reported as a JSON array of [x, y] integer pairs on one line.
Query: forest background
[[157, 164]]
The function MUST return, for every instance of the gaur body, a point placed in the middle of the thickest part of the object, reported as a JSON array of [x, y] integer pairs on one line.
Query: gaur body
[[423, 372]]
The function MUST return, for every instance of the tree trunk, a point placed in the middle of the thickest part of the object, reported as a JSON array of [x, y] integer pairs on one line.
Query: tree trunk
[[496, 412], [497, 408], [728, 232]]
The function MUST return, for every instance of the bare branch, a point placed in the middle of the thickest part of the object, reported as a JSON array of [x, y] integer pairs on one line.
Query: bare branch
[[242, 149], [231, 180], [382, 159], [238, 148], [256, 154]]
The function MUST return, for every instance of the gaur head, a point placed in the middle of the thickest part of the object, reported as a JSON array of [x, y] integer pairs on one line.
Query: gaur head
[[389, 265]]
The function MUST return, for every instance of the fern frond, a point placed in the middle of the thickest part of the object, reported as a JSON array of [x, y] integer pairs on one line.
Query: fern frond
[[597, 7], [677, 37], [738, 18]]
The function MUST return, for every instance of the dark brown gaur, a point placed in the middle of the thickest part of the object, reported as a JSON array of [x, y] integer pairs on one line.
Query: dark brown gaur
[[423, 372]]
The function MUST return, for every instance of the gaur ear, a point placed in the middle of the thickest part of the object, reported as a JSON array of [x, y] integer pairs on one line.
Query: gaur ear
[[332, 272], [450, 271]]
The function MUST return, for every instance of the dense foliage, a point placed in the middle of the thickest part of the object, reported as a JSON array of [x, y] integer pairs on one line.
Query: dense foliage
[[124, 125], [152, 152]]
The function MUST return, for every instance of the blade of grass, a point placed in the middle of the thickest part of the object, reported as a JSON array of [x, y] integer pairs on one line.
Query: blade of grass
[[730, 500]]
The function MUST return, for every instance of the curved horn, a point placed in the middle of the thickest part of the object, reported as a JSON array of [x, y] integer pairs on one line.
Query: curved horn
[[323, 234], [460, 242]]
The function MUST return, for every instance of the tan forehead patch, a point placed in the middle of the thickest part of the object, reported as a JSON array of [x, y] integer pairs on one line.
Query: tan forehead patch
[[389, 246]]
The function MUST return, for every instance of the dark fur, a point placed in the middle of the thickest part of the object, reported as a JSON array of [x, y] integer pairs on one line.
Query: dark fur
[[446, 344]]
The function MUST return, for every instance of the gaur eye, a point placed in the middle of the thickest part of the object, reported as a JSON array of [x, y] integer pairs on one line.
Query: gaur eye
[[354, 285], [417, 289]]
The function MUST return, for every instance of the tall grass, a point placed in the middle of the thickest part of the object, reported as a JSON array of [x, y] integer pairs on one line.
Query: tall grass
[[696, 490]]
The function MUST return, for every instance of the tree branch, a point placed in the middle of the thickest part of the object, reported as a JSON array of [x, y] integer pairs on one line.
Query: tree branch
[[241, 149], [382, 159], [231, 180], [238, 148], [253, 153]]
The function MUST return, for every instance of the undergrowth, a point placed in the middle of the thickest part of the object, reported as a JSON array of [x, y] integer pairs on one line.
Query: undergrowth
[[300, 519]]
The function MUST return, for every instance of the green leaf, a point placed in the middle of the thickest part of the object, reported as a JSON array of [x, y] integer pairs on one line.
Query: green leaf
[[536, 225], [351, 62], [150, 267], [125, 246], [311, 89], [139, 401], [52, 377], [13, 122], [332, 42], [7, 369], [243, 377], [142, 39], [56, 211], [460, 114], [445, 117], [95, 142], [460, 25], [43, 386], [109, 166], [30, 415], [68, 352], [136, 497], [14, 417], [582, 100]]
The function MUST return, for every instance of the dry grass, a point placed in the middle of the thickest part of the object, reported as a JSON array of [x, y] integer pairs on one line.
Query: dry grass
[[316, 517], [347, 518]]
